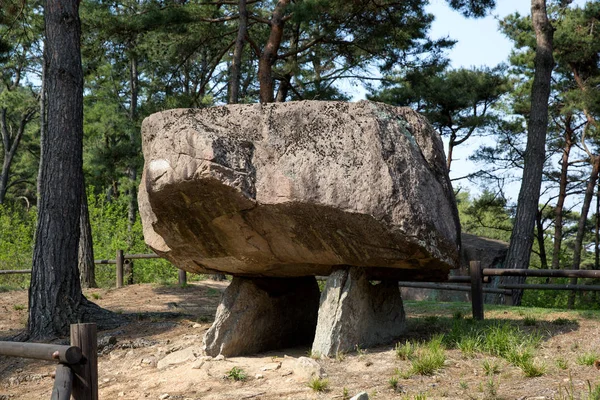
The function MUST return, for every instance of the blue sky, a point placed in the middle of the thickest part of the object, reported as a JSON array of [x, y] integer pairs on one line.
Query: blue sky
[[479, 43]]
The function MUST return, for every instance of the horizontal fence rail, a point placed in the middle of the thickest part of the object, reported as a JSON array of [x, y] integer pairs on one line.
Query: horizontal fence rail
[[76, 374], [542, 273], [40, 351], [15, 271], [444, 286]]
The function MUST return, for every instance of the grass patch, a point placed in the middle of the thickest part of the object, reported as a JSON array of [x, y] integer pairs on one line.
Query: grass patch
[[429, 357], [491, 367], [318, 384], [18, 307], [236, 374], [406, 351], [587, 358], [561, 363]]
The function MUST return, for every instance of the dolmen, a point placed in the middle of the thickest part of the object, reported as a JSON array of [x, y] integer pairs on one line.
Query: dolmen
[[277, 194]]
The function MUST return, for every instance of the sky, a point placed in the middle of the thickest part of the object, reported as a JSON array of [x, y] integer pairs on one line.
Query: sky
[[479, 43]]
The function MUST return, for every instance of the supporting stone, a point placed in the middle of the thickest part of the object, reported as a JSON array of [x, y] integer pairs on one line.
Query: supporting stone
[[354, 312], [260, 314]]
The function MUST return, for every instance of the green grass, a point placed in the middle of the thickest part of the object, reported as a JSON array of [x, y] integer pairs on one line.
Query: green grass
[[562, 363], [429, 357], [319, 385], [236, 374], [491, 367], [405, 351], [587, 358], [18, 307]]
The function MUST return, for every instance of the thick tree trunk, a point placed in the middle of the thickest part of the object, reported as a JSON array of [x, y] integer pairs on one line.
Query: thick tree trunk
[[55, 298], [585, 209], [87, 270], [269, 54], [562, 195], [521, 240], [236, 64]]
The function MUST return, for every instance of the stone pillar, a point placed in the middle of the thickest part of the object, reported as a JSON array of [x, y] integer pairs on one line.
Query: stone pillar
[[260, 314], [353, 312]]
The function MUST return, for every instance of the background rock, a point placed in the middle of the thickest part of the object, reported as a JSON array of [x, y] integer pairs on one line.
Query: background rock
[[293, 189]]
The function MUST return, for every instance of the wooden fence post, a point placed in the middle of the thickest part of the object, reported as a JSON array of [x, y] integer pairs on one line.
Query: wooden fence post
[[120, 261], [85, 384], [63, 383], [182, 277], [128, 271], [476, 289]]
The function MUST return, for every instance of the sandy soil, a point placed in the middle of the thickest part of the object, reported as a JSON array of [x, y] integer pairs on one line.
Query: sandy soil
[[166, 319]]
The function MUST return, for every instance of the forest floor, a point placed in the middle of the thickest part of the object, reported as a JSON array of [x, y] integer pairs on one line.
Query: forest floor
[[172, 320]]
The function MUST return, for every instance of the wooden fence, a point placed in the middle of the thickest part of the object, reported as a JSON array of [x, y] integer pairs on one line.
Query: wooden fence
[[478, 276], [121, 261], [77, 370]]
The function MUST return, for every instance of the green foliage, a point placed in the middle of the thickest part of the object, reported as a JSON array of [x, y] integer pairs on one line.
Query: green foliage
[[17, 227], [499, 339], [485, 216], [236, 374], [318, 385], [406, 351], [109, 232], [429, 357], [587, 358]]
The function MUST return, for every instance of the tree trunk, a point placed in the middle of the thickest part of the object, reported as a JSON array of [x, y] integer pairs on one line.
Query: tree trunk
[[42, 123], [10, 148], [585, 208], [87, 270], [562, 195], [540, 240], [597, 231], [55, 298], [217, 277], [521, 240], [269, 53], [236, 64], [132, 168]]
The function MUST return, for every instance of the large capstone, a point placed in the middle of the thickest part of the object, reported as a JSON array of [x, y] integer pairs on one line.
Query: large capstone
[[295, 189], [259, 314]]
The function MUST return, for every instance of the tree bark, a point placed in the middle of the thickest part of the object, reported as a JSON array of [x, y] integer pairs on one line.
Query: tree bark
[[87, 270], [55, 298], [269, 53], [585, 209], [521, 240], [236, 64], [540, 240], [562, 194], [10, 148], [42, 123]]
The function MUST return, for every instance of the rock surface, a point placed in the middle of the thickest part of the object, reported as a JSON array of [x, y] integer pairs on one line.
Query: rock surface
[[177, 357], [293, 189], [258, 314], [490, 252], [354, 312]]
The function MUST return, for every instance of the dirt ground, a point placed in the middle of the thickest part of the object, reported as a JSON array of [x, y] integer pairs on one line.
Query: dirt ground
[[167, 319]]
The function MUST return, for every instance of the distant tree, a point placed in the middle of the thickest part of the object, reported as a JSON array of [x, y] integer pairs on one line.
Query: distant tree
[[458, 103], [521, 241]]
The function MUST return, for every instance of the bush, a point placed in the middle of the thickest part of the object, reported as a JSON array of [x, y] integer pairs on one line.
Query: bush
[[17, 227]]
